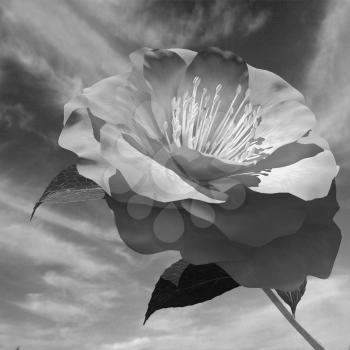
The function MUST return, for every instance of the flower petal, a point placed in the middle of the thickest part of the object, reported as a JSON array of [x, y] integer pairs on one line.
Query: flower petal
[[200, 166], [111, 99], [322, 210], [258, 220], [283, 123], [138, 234], [286, 155], [161, 70], [216, 67], [144, 175], [117, 101], [285, 262], [282, 263], [145, 120], [199, 245], [313, 138], [185, 54], [306, 147], [268, 88], [284, 117], [307, 179], [283, 156], [78, 137]]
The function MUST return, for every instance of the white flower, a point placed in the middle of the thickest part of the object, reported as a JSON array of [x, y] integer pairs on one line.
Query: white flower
[[209, 134]]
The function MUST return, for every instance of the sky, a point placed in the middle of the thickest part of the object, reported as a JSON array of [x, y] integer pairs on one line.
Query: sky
[[66, 279]]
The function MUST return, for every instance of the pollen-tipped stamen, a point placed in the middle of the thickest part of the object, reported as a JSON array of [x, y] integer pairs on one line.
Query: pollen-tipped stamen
[[193, 124]]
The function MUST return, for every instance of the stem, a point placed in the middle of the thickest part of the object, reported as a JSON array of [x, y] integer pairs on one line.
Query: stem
[[315, 345]]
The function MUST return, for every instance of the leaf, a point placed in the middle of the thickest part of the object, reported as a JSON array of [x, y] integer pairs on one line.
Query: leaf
[[184, 284], [292, 298], [69, 186]]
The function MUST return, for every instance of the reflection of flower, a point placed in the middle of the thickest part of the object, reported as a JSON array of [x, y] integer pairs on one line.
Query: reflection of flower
[[207, 155]]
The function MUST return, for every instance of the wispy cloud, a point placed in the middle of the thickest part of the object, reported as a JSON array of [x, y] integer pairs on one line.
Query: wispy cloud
[[328, 79], [134, 344], [42, 32], [240, 318], [43, 248], [99, 296], [16, 199], [199, 23], [57, 310], [69, 282], [246, 319]]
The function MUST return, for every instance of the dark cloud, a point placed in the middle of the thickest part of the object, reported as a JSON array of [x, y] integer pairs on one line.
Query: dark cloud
[[194, 23], [36, 92], [286, 42], [30, 120]]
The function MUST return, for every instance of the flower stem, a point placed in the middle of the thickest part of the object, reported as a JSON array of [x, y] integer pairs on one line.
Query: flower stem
[[315, 345]]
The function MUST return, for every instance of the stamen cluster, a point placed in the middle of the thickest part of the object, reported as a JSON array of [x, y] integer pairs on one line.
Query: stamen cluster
[[193, 118]]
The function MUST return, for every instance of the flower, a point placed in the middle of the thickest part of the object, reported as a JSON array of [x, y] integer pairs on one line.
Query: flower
[[205, 154]]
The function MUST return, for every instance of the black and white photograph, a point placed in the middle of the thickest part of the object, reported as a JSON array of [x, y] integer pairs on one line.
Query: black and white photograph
[[175, 174]]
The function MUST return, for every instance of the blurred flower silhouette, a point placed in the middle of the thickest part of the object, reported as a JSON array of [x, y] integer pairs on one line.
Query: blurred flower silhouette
[[205, 154]]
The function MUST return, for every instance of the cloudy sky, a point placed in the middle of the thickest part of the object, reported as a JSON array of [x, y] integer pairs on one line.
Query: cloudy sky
[[66, 279]]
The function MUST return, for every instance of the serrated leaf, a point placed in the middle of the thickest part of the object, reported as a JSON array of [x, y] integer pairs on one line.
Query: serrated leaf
[[69, 186], [184, 284], [292, 298]]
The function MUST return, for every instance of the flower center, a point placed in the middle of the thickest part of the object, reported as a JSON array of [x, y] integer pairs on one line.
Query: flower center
[[195, 124]]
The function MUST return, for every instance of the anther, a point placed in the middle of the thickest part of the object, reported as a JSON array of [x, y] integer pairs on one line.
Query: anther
[[233, 137]]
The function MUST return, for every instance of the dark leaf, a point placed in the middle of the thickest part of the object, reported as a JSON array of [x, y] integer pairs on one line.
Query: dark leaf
[[292, 298], [184, 284], [70, 186]]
